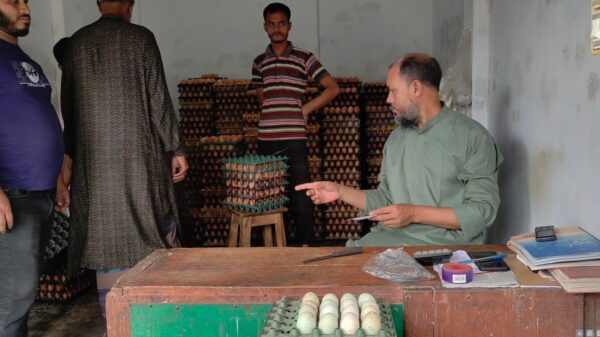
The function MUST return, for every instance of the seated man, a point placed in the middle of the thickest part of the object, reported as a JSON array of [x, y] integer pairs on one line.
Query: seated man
[[438, 180]]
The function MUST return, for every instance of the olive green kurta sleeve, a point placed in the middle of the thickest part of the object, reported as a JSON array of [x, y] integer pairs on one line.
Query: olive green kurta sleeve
[[451, 162]]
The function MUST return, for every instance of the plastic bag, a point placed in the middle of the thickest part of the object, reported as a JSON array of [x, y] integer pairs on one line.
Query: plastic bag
[[456, 86], [398, 266]]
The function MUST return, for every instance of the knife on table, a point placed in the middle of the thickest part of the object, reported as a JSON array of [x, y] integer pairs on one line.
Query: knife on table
[[339, 253]]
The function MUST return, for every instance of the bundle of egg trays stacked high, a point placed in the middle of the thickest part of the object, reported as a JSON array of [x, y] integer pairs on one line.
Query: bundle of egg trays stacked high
[[207, 166], [330, 318], [380, 123], [59, 287], [251, 117], [313, 134], [196, 101], [255, 184], [341, 157], [211, 225], [231, 101]]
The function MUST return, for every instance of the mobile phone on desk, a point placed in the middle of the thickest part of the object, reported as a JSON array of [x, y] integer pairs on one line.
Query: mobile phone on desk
[[545, 234], [496, 265]]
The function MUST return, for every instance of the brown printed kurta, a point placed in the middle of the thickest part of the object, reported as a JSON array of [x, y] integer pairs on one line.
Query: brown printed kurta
[[121, 131]]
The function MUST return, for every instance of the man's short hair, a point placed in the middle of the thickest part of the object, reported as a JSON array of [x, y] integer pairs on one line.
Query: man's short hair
[[421, 67], [60, 50], [277, 7]]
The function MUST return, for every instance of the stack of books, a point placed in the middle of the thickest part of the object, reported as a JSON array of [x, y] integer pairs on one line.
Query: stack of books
[[573, 259]]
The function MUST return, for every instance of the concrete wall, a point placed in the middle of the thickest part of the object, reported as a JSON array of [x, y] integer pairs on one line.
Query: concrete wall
[[352, 37], [544, 104], [362, 38], [448, 25]]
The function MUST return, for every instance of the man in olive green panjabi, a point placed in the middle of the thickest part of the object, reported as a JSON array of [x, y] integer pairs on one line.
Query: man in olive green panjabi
[[438, 183]]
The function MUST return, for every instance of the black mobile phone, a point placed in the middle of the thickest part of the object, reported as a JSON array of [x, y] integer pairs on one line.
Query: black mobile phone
[[545, 233], [497, 265]]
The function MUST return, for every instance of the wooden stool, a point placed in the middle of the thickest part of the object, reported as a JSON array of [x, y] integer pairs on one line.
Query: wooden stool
[[244, 222]]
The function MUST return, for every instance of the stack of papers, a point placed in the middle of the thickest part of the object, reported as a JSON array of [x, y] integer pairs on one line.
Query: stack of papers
[[573, 259], [573, 247]]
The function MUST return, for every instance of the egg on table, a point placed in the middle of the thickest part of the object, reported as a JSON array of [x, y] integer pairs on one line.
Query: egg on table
[[311, 296], [365, 297], [331, 297], [371, 323], [306, 322], [329, 309], [349, 323], [328, 323]]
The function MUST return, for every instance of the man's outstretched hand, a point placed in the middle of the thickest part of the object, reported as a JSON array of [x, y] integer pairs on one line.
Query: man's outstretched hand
[[321, 192]]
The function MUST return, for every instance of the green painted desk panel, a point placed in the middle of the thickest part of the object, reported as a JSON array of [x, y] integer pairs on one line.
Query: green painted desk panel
[[211, 320], [198, 320]]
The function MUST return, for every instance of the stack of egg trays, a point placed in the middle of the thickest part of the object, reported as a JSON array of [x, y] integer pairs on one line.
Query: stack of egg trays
[[281, 322], [255, 184], [379, 122]]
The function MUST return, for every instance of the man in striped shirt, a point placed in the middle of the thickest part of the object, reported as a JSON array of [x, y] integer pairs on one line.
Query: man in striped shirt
[[280, 76]]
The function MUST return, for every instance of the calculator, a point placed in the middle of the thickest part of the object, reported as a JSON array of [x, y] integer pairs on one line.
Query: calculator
[[433, 256]]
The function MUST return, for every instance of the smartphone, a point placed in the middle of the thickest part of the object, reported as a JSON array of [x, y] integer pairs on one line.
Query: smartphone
[[498, 265], [545, 233]]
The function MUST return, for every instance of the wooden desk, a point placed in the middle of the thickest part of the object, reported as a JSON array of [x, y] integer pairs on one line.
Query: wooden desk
[[247, 280]]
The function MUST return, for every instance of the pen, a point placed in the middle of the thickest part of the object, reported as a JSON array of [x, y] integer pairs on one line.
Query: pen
[[487, 258]]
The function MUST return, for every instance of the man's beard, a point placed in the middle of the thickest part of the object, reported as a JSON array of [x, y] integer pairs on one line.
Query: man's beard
[[9, 26], [408, 118]]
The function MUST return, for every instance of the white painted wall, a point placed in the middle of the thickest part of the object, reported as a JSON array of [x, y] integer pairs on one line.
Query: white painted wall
[[544, 113], [362, 38], [40, 40], [352, 37]]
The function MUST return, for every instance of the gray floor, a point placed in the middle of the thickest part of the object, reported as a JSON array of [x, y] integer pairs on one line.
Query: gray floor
[[78, 318]]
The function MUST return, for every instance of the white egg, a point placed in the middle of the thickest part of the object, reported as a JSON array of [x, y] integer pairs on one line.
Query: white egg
[[349, 323], [347, 296], [306, 323], [369, 307], [349, 306], [329, 301], [367, 310], [329, 309], [364, 297], [348, 302], [371, 323], [311, 296], [331, 297], [307, 308], [311, 303], [328, 323]]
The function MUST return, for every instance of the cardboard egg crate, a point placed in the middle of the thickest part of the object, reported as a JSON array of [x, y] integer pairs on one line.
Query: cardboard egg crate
[[211, 225], [196, 101], [281, 322]]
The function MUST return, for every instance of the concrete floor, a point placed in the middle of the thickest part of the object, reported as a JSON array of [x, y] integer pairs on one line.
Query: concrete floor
[[78, 318]]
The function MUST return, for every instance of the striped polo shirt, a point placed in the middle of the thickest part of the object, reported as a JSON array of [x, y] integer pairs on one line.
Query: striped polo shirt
[[283, 80]]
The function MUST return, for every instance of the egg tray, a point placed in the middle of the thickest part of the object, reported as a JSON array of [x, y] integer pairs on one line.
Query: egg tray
[[253, 194], [281, 322], [254, 176], [266, 207], [255, 163], [257, 185]]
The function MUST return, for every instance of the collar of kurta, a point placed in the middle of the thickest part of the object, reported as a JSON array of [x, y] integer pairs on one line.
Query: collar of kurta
[[111, 16], [438, 118], [286, 52]]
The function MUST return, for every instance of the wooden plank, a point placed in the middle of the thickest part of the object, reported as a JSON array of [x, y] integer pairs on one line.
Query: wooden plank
[[506, 312], [418, 312]]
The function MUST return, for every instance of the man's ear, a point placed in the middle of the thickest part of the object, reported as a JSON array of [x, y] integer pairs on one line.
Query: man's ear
[[290, 25], [416, 88]]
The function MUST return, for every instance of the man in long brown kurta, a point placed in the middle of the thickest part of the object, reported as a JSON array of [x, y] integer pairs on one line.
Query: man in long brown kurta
[[121, 132]]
